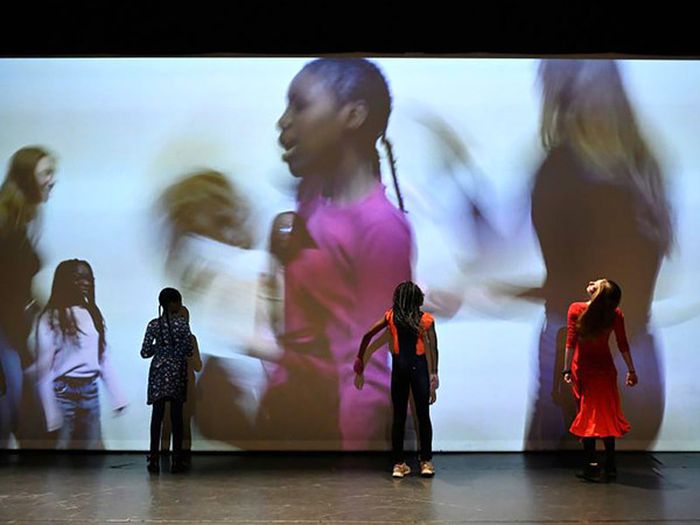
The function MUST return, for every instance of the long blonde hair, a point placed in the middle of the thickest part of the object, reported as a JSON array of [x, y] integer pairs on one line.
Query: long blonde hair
[[191, 205], [20, 195], [585, 106]]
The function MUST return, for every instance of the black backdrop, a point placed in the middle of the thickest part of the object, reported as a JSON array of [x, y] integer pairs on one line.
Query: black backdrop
[[156, 28]]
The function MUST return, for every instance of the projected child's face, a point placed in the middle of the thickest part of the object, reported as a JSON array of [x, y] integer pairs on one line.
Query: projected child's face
[[83, 280], [311, 126], [45, 176]]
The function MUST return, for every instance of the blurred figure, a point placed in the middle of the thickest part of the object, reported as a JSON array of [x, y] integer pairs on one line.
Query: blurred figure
[[209, 250], [453, 203], [168, 341], [27, 185], [72, 354], [599, 207], [352, 247]]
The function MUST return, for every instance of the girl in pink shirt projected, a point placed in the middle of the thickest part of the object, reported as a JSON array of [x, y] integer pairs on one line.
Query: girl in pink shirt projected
[[72, 355], [348, 248]]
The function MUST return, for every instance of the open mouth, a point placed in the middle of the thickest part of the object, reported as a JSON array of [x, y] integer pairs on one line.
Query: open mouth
[[289, 146]]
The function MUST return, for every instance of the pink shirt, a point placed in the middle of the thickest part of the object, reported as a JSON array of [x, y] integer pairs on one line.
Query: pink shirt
[[72, 357], [339, 286]]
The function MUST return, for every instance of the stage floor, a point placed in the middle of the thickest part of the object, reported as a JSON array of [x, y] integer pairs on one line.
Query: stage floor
[[344, 489]]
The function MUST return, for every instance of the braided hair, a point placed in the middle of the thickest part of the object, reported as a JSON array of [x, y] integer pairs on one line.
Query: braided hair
[[167, 297], [353, 79], [408, 299]]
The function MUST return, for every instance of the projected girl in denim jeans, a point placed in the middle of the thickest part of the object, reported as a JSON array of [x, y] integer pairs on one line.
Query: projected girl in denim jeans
[[27, 185], [72, 354]]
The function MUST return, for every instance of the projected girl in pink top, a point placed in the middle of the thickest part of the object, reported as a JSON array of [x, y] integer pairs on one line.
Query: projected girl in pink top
[[349, 247]]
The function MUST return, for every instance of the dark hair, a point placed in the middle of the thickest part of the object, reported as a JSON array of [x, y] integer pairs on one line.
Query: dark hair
[[408, 298], [65, 294], [166, 297], [353, 79], [600, 313]]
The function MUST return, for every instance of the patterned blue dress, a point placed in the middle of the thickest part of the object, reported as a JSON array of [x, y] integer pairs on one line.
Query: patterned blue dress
[[169, 346]]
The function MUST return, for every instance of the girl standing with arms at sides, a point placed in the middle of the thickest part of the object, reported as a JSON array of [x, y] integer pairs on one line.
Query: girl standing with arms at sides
[[589, 367], [72, 354], [26, 187], [168, 341], [351, 247], [194, 366], [414, 370]]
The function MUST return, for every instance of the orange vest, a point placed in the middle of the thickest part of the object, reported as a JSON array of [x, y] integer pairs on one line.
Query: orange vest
[[426, 321]]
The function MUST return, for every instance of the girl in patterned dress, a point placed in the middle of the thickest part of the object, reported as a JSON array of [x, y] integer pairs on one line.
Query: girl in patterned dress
[[168, 341]]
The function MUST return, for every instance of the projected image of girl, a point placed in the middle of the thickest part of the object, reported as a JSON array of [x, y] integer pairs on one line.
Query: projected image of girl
[[210, 254], [27, 185], [72, 355], [356, 247], [599, 207]]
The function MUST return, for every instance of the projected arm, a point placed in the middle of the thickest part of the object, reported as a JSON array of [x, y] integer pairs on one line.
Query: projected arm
[[111, 381], [46, 352], [359, 365]]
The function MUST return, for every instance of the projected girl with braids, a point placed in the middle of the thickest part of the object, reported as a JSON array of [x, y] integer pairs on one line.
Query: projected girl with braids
[[352, 246]]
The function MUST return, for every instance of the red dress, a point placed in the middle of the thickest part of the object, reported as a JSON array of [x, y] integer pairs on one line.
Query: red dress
[[595, 379]]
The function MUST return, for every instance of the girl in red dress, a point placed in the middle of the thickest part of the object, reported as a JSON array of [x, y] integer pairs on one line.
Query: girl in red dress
[[590, 369]]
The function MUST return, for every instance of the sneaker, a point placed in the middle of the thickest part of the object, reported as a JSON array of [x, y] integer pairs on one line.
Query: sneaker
[[401, 470], [427, 470]]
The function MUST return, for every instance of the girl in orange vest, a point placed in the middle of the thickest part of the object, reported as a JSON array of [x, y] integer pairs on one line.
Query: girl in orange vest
[[414, 353]]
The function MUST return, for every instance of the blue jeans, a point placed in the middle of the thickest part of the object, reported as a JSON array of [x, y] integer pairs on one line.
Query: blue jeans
[[11, 398], [80, 403], [554, 407]]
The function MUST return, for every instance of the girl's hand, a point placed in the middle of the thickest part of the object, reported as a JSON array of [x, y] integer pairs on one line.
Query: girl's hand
[[567, 378], [433, 396], [631, 378], [434, 382]]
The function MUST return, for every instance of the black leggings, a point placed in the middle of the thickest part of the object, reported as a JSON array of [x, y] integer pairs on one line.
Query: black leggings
[[410, 374], [589, 450], [157, 424]]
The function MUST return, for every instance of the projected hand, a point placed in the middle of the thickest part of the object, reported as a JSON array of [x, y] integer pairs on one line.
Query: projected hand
[[359, 381], [631, 378], [358, 366]]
